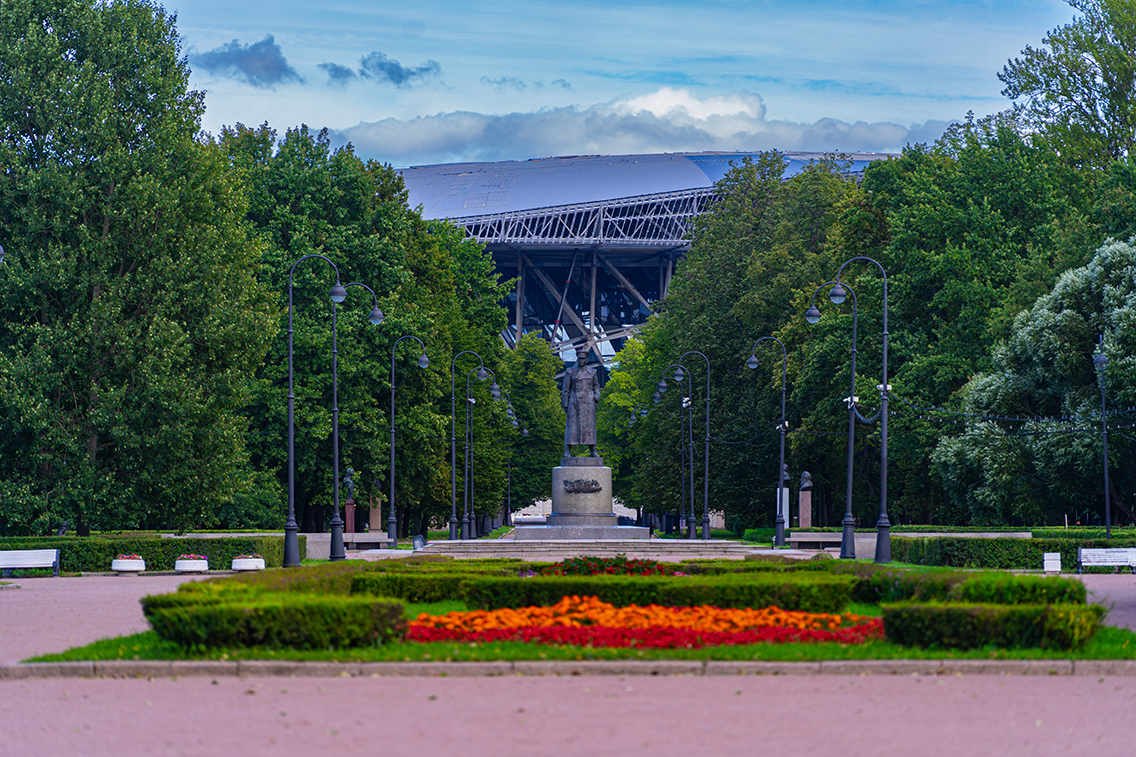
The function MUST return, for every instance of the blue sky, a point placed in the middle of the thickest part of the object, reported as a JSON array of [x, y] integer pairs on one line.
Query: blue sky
[[436, 80]]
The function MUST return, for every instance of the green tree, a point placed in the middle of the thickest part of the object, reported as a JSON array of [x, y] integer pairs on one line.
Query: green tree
[[1036, 453], [1080, 88], [529, 375], [130, 319]]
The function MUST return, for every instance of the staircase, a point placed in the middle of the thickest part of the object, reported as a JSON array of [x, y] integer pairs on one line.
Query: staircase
[[671, 550]]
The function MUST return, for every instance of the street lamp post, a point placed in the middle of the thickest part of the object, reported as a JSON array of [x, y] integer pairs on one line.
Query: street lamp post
[[685, 442], [481, 376], [706, 445], [291, 529], [1100, 362], [812, 315], [423, 362], [468, 512], [779, 534]]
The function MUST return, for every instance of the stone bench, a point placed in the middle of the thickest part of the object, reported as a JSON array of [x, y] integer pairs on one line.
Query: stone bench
[[1105, 557], [22, 559]]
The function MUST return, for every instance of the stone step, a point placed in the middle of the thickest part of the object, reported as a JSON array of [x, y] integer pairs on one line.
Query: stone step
[[554, 550]]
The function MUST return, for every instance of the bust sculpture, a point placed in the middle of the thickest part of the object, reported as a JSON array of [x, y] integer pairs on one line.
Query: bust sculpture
[[578, 397]]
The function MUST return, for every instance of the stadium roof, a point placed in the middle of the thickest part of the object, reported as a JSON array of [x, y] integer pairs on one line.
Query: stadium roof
[[459, 190]]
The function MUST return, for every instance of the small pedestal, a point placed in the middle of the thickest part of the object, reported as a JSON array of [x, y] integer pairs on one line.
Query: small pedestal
[[805, 501], [581, 505], [349, 516]]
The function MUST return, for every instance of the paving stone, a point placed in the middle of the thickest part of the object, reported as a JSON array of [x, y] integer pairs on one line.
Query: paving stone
[[728, 668], [608, 667], [48, 670], [437, 669], [1009, 667], [204, 668], [880, 667], [266, 668], [1104, 668]]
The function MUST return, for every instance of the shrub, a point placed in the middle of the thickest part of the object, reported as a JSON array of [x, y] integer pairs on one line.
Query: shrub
[[93, 554], [275, 622], [612, 566], [891, 585], [960, 552], [971, 626]]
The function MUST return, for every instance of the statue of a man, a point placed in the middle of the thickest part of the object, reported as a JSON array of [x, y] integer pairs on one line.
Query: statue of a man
[[349, 483], [579, 395]]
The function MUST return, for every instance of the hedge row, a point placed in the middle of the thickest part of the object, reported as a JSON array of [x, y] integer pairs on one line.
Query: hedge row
[[812, 592], [960, 552], [281, 622], [995, 588], [93, 554], [971, 626]]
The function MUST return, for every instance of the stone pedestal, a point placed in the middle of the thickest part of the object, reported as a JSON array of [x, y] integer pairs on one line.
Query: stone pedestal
[[349, 517], [805, 502], [581, 505]]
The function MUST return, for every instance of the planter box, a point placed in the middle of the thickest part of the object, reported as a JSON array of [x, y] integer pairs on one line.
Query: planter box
[[191, 566], [128, 566], [248, 563]]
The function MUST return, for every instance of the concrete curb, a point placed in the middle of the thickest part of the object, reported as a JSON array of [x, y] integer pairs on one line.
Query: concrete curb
[[538, 668]]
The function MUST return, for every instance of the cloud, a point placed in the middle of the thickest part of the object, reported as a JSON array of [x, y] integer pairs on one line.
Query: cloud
[[337, 75], [379, 67], [667, 120], [505, 82], [562, 83], [261, 64]]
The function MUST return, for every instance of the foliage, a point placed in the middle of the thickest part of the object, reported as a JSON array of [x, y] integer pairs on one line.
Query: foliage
[[1078, 88], [973, 626], [612, 566], [94, 554], [309, 622], [528, 374], [1041, 469], [1013, 554], [131, 320]]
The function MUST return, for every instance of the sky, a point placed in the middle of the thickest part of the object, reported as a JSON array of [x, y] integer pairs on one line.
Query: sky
[[435, 81]]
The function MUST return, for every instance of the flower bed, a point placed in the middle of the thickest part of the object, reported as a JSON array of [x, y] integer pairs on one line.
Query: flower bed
[[611, 566], [587, 621]]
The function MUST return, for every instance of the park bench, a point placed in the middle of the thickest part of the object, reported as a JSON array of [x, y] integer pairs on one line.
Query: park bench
[[17, 559], [1119, 557]]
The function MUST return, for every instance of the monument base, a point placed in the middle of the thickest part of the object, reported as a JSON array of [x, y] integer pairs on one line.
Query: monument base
[[580, 532]]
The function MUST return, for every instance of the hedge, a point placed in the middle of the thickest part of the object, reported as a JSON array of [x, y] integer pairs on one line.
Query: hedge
[[971, 626], [282, 622], [813, 592], [889, 585], [93, 554], [961, 552]]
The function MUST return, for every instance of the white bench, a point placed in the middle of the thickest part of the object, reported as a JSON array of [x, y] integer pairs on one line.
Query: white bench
[[1119, 557], [16, 559]]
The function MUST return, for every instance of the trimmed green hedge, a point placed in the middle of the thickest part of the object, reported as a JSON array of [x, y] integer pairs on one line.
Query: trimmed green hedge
[[889, 585], [960, 552], [971, 626], [93, 554], [811, 591], [281, 622]]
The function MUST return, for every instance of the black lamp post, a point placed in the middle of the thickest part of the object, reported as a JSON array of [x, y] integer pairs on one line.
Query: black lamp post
[[686, 444], [883, 525], [291, 540], [468, 511], [706, 444], [812, 315], [423, 362], [1100, 362], [481, 376], [779, 533]]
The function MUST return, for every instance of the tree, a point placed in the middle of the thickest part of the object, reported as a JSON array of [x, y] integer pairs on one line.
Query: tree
[[1034, 453], [131, 320], [1081, 88], [529, 375]]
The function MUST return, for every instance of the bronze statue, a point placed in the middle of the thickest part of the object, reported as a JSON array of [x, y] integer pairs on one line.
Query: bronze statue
[[578, 397]]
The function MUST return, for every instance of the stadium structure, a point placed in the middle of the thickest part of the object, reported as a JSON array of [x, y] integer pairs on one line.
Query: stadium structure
[[592, 240]]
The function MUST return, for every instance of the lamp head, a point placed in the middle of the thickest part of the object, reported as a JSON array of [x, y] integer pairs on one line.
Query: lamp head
[[752, 362], [423, 362], [1, 253], [376, 317], [679, 374], [495, 391], [657, 398], [661, 386], [524, 432], [514, 422], [812, 315], [1100, 362], [643, 412], [837, 294], [481, 374], [338, 293]]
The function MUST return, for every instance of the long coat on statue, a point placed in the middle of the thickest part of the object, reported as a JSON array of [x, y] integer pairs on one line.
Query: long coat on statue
[[579, 397]]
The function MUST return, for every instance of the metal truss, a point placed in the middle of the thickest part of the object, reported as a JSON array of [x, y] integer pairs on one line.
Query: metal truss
[[645, 221]]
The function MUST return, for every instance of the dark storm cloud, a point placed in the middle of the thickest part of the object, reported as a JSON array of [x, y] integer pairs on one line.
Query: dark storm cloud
[[336, 74], [261, 64], [379, 67]]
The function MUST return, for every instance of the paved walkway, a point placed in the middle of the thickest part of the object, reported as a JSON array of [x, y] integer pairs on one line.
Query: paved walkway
[[529, 716]]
